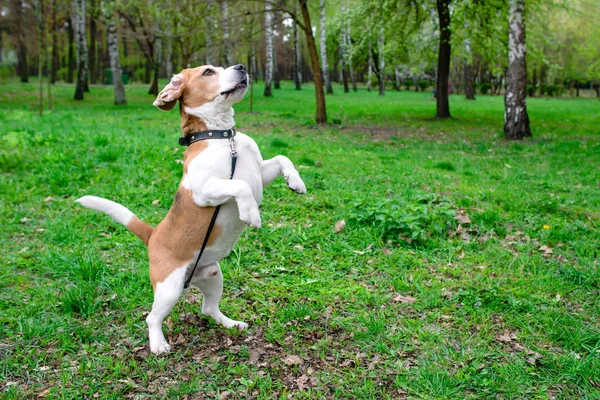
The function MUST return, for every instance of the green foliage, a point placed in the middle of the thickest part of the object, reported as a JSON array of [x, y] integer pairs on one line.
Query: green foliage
[[424, 84], [415, 220], [63, 74], [485, 87]]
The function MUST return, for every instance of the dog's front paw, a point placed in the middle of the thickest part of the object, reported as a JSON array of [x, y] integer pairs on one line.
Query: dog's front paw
[[251, 217], [295, 183], [229, 323], [159, 348]]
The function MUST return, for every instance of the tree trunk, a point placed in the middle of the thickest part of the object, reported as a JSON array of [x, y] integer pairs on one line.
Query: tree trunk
[[469, 81], [380, 44], [516, 120], [533, 83], [543, 70], [156, 62], [39, 12], [169, 52], [297, 59], [349, 51], [80, 40], [397, 78], [323, 43], [93, 49], [253, 66], [113, 53], [71, 60], [321, 116], [343, 64], [370, 62], [54, 34], [16, 7], [276, 80], [208, 34], [596, 87], [269, 47], [225, 27], [443, 106]]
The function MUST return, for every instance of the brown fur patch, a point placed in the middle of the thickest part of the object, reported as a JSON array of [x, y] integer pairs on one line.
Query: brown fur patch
[[198, 90], [179, 236], [140, 229]]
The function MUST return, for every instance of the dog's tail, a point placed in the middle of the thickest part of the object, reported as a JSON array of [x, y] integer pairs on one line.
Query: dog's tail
[[119, 214]]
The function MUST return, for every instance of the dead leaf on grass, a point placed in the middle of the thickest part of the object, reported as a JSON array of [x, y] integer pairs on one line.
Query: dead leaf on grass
[[292, 359], [48, 199], [547, 250], [462, 216], [156, 203], [506, 337], [339, 226], [404, 299]]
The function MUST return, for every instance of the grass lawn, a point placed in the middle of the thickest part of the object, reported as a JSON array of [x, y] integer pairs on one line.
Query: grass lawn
[[468, 266]]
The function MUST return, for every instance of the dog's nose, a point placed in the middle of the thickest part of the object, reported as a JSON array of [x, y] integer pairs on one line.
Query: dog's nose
[[240, 67]]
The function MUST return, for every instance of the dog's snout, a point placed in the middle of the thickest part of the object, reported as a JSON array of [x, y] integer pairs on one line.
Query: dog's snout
[[240, 67]]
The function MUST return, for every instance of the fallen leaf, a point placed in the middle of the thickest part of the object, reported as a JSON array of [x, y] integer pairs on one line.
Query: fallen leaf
[[404, 299], [358, 252], [292, 359], [302, 382], [507, 166], [462, 216], [558, 297], [339, 226], [547, 250], [299, 247], [506, 337], [155, 203], [48, 199], [180, 339], [45, 392], [387, 251]]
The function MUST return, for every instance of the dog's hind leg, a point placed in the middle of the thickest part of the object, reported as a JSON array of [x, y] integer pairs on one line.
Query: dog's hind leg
[[281, 165], [166, 295], [209, 280]]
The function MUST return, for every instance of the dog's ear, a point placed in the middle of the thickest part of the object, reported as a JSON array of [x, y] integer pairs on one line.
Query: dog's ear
[[167, 98]]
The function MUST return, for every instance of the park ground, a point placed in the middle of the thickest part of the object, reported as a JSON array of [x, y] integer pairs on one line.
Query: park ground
[[467, 266]]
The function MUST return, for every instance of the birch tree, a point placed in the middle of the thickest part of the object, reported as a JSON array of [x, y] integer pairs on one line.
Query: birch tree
[[350, 50], [113, 52], [380, 45], [323, 43], [468, 72], [81, 46], [516, 119], [225, 28], [297, 58], [269, 48], [208, 35], [343, 55]]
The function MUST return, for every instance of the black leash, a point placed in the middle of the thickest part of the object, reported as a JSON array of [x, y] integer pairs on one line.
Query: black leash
[[230, 133]]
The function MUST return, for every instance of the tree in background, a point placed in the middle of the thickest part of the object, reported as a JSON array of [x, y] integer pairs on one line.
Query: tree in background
[[323, 43], [269, 48], [443, 68], [113, 51], [516, 120], [81, 45]]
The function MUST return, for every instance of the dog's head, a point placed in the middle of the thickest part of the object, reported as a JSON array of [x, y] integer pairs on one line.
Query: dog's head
[[196, 87]]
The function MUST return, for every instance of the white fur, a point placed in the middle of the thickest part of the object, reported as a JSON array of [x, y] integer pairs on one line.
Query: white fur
[[215, 115], [115, 210]]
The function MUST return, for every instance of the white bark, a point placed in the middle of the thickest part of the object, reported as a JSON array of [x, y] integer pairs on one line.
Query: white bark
[[342, 40], [269, 47], [208, 33], [380, 45], [349, 50], [225, 27], [370, 62], [516, 119], [297, 58], [78, 8], [113, 54], [323, 42]]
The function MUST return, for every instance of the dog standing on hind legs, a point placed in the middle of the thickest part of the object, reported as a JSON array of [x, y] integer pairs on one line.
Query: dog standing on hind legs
[[206, 95]]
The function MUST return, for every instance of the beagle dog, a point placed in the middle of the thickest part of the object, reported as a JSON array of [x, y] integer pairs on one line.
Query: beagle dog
[[206, 95]]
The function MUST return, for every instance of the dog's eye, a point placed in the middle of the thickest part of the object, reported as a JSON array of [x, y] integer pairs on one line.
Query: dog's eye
[[208, 72]]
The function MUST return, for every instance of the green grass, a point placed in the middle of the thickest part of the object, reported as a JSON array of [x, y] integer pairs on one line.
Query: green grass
[[493, 317]]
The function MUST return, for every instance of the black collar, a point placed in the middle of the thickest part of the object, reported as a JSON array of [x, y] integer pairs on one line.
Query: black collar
[[212, 134]]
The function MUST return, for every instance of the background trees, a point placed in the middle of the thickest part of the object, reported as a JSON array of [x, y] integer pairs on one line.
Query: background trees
[[442, 46]]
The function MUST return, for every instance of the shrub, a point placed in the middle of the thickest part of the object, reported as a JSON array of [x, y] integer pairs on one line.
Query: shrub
[[414, 221], [408, 83], [485, 88], [140, 74], [423, 84], [63, 74]]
